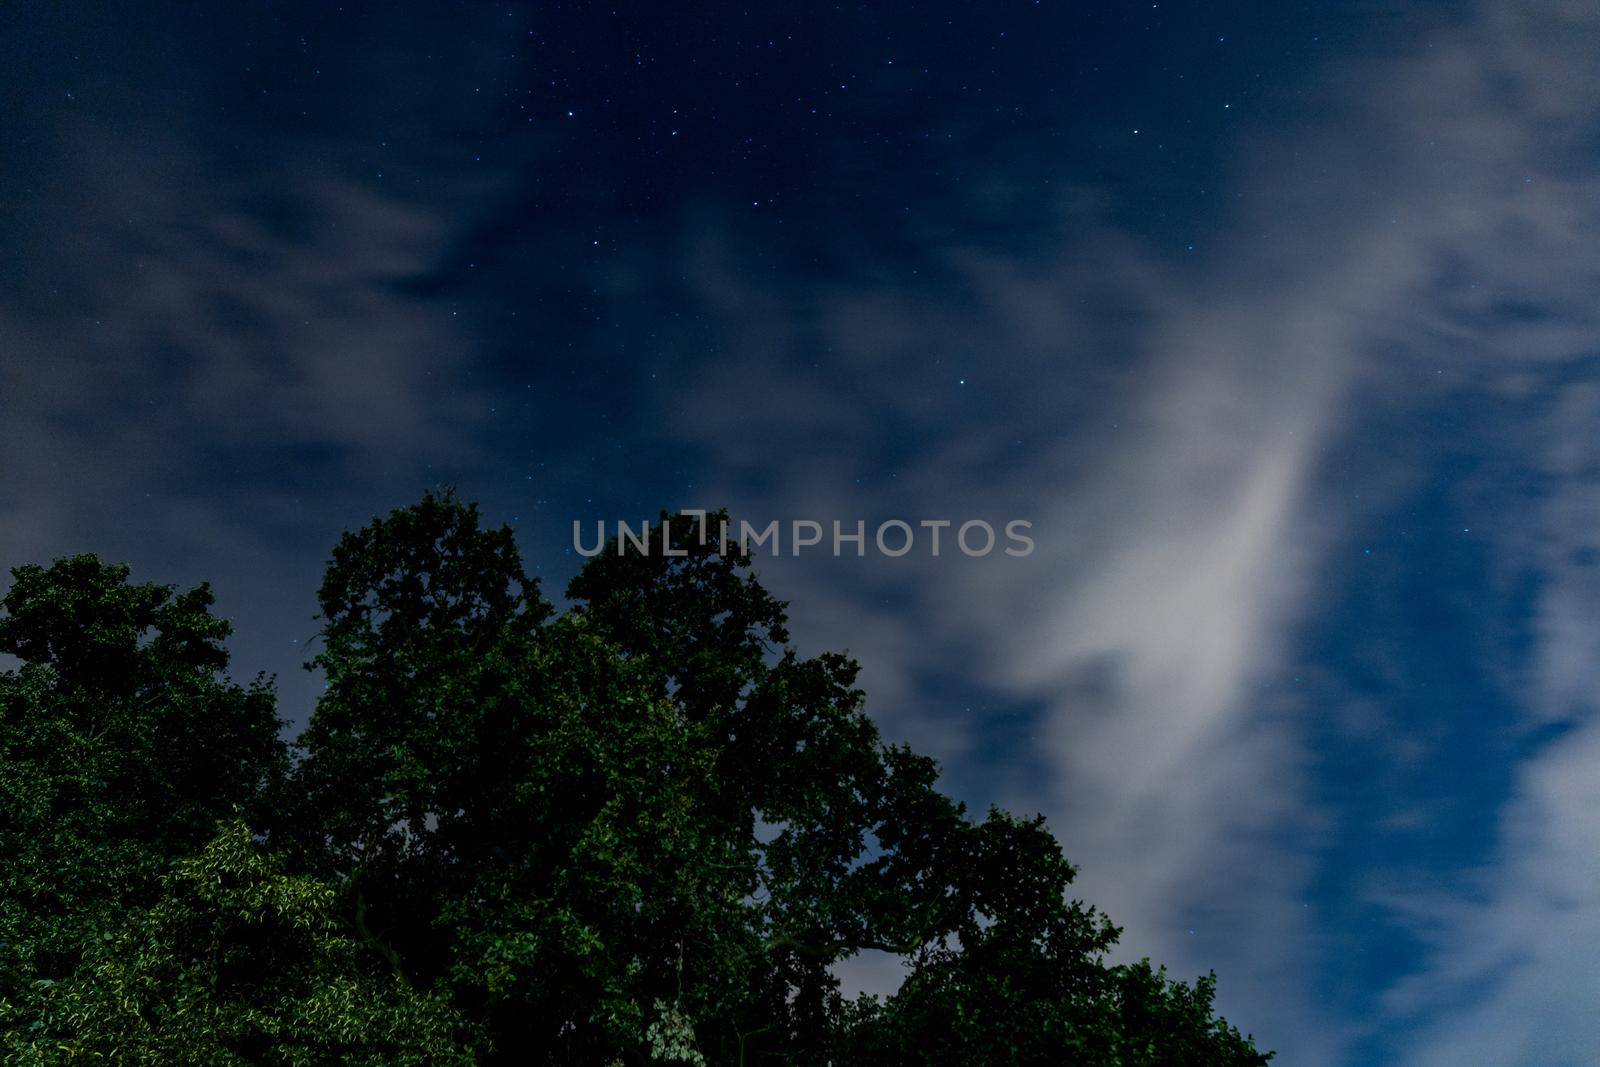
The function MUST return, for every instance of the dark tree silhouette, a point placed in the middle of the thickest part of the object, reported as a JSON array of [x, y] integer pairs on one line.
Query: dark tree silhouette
[[640, 830]]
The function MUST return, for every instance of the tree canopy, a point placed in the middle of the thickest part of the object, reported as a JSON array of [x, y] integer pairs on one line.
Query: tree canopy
[[642, 829]]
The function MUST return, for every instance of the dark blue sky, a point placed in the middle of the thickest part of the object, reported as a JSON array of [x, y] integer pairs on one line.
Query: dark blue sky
[[1276, 321]]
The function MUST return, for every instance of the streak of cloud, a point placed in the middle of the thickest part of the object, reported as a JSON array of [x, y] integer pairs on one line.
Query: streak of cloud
[[1184, 541]]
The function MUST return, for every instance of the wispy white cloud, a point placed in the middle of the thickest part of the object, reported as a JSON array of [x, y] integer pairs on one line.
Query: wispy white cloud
[[1425, 237], [209, 373]]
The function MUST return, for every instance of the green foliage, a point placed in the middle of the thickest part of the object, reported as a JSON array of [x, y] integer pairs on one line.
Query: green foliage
[[237, 963], [642, 830], [121, 744]]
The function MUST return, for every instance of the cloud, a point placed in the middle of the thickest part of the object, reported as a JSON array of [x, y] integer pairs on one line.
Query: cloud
[[1423, 239], [1512, 976], [208, 373]]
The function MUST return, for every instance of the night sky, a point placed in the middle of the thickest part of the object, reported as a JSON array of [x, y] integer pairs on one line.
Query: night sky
[[1277, 321]]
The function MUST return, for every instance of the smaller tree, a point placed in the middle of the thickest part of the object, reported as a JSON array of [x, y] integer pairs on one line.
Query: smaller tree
[[122, 742], [1020, 977], [239, 963]]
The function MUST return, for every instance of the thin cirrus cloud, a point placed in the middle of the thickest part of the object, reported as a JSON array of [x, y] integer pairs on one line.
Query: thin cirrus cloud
[[208, 374], [1425, 240]]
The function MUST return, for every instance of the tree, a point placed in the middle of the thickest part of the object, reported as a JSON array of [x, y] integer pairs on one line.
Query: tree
[[238, 963], [1023, 979], [641, 830], [121, 745], [648, 816]]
